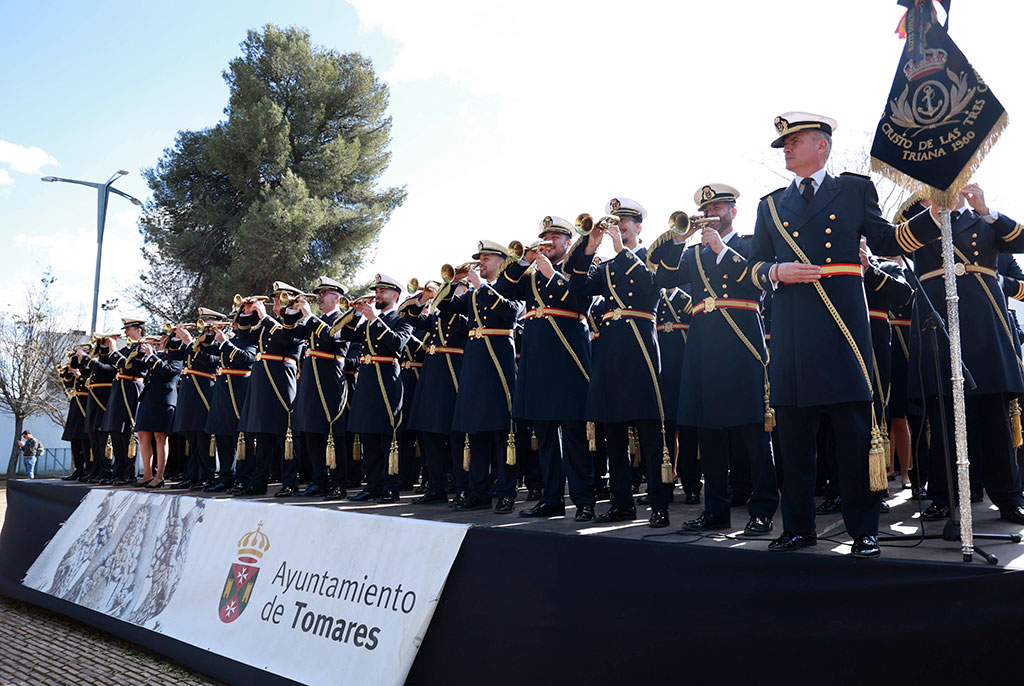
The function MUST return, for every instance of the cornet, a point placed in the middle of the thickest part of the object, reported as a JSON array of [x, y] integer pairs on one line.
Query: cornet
[[682, 226], [518, 249], [448, 272], [585, 223]]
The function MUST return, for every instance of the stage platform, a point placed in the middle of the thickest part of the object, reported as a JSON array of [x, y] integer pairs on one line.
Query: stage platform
[[553, 601]]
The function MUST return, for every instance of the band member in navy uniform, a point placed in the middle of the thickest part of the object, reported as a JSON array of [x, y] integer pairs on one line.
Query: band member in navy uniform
[[237, 353], [598, 449], [195, 391], [554, 369], [377, 401], [483, 407], [990, 350], [74, 423], [322, 390], [268, 404], [433, 406], [725, 372], [674, 314], [154, 420], [101, 377], [119, 419], [809, 233], [411, 363], [625, 382]]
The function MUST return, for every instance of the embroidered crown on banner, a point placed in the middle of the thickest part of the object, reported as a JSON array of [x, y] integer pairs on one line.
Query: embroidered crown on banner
[[934, 60]]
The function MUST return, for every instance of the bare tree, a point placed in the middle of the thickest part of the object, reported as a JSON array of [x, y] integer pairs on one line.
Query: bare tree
[[32, 343]]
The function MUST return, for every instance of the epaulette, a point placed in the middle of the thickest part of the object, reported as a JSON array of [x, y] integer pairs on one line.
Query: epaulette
[[849, 173], [765, 196]]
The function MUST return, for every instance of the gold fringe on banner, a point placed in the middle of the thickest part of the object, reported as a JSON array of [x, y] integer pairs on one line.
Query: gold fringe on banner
[[240, 448], [510, 449], [949, 196], [331, 457], [289, 446], [591, 437], [465, 454], [393, 458]]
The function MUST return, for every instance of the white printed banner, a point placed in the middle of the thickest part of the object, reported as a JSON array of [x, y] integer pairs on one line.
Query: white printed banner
[[315, 595]]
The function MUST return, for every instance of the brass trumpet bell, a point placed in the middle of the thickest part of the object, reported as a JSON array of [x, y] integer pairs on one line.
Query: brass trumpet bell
[[413, 285], [518, 249], [584, 224]]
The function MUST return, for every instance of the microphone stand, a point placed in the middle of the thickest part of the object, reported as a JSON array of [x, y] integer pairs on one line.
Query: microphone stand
[[959, 526]]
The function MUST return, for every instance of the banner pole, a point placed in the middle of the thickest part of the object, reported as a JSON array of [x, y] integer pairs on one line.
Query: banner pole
[[957, 377]]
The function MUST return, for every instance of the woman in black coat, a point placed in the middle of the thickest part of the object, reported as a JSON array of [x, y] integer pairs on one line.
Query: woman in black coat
[[155, 415]]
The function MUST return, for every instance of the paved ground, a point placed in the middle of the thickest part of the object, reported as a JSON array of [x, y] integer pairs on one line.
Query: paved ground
[[39, 647]]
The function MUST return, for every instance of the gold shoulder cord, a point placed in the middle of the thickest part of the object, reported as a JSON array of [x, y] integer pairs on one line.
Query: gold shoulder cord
[[558, 331], [877, 466], [393, 451], [510, 450], [666, 459], [769, 413]]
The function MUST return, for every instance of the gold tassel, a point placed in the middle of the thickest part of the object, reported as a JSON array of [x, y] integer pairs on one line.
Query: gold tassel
[[1015, 430], [591, 437], [886, 445], [240, 448], [132, 448], [877, 462], [186, 448], [634, 446], [109, 452], [769, 415], [289, 446], [510, 449], [534, 443], [419, 452], [666, 463], [465, 455], [213, 445], [393, 458], [357, 449], [331, 457]]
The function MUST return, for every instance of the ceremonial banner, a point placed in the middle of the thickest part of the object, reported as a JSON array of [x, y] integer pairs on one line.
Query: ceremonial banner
[[940, 119], [315, 595]]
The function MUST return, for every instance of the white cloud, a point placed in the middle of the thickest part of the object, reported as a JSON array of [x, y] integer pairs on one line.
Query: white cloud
[[25, 160], [5, 178]]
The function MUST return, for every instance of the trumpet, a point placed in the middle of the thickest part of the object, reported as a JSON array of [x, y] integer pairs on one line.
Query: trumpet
[[448, 272], [681, 225], [202, 324], [238, 301], [518, 249], [414, 285], [585, 223]]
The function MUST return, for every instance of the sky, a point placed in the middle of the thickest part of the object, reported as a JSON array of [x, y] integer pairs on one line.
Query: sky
[[503, 112]]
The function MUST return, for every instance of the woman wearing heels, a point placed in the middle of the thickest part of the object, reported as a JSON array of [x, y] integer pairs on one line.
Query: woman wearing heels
[[156, 408]]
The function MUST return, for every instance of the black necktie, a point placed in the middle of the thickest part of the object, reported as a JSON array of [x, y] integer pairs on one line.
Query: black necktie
[[807, 189]]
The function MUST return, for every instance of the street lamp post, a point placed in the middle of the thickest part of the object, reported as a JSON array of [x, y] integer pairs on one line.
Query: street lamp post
[[103, 191]]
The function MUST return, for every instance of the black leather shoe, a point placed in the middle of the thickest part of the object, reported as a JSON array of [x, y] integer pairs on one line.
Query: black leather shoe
[[181, 485], [602, 492], [471, 504], [237, 489], [644, 500], [659, 518], [420, 489], [692, 499], [336, 493], [388, 497], [706, 522], [790, 541], [314, 491], [505, 505], [584, 513], [831, 505], [616, 514], [122, 482], [216, 487], [865, 547], [362, 496], [1012, 514], [885, 507], [534, 494], [255, 490], [197, 486], [934, 513], [106, 482], [457, 499], [918, 493], [430, 498], [83, 479], [758, 525], [285, 492], [73, 476], [544, 510]]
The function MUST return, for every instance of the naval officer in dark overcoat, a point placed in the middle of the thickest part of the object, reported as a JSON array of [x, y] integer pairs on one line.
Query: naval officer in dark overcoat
[[815, 367], [119, 419], [625, 383], [554, 370]]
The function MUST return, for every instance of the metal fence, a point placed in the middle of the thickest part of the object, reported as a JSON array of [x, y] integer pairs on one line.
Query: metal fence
[[54, 462]]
